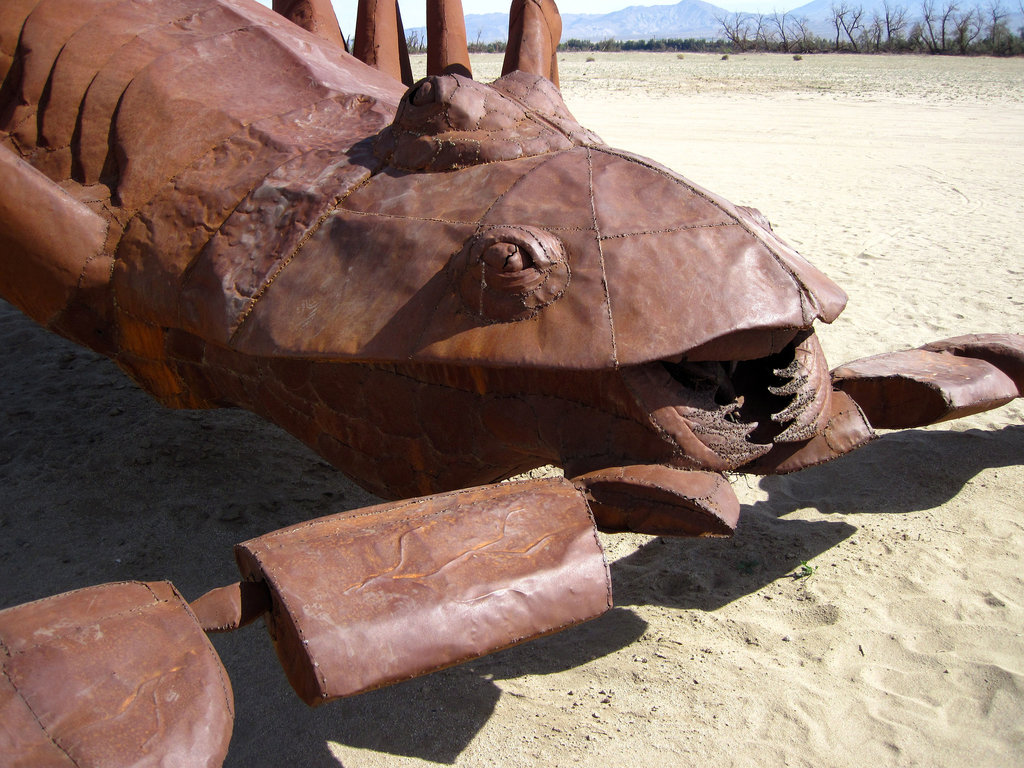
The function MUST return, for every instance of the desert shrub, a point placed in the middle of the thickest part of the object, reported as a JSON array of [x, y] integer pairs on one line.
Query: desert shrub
[[797, 57]]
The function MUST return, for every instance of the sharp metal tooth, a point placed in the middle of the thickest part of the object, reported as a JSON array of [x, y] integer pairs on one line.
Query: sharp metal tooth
[[791, 387], [794, 432], [721, 426], [789, 371], [794, 409], [727, 412]]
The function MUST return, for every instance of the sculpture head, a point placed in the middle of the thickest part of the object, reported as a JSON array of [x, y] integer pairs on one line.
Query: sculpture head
[[504, 250]]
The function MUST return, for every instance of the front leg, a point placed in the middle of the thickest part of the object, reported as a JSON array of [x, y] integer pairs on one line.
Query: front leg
[[940, 381]]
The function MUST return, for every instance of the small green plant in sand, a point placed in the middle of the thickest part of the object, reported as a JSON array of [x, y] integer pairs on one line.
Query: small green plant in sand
[[680, 55], [805, 570], [797, 57]]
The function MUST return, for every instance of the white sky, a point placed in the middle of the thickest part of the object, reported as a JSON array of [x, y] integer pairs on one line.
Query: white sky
[[414, 11]]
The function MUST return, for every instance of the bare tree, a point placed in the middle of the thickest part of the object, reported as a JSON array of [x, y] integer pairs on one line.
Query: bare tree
[[852, 24], [781, 24], [736, 28], [801, 31], [997, 34], [895, 24], [930, 24], [413, 41], [873, 32], [938, 24], [966, 28], [839, 13], [763, 37]]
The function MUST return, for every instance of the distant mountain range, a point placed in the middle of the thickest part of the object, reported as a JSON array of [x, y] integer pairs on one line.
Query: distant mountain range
[[687, 19]]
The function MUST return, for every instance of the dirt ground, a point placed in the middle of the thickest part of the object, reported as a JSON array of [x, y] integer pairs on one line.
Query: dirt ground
[[900, 177]]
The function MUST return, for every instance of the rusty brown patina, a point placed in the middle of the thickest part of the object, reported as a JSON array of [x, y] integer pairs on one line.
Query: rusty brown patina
[[455, 276]]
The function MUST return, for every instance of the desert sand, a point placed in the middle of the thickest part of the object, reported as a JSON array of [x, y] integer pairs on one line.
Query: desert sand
[[900, 177]]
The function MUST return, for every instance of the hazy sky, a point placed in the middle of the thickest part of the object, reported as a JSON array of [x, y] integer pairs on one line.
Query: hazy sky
[[414, 11]]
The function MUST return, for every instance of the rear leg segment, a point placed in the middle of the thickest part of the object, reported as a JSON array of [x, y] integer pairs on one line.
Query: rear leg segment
[[937, 382]]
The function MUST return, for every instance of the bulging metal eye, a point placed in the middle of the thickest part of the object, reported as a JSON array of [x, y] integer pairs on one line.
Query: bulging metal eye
[[508, 273], [505, 257], [425, 93]]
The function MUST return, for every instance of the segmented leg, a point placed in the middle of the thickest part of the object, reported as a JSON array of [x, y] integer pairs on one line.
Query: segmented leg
[[940, 381], [316, 16], [380, 39], [44, 268], [534, 28], [661, 501], [435, 581], [116, 675]]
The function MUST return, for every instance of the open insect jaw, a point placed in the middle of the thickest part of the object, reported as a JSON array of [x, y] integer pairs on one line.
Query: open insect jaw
[[718, 415], [724, 414]]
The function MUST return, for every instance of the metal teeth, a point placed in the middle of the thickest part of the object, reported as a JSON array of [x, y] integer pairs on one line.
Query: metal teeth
[[794, 432], [791, 387], [720, 424], [730, 412], [789, 371], [794, 409]]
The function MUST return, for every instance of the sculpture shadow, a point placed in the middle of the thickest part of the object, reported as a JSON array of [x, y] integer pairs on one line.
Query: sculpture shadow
[[706, 574], [901, 472], [431, 718]]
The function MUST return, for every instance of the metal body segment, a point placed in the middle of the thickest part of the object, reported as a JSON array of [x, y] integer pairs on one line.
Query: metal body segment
[[118, 675], [423, 584]]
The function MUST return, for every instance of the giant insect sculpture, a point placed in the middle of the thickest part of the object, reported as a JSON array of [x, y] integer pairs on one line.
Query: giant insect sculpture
[[436, 286]]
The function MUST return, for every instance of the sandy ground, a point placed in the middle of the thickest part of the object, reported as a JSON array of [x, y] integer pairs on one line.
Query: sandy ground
[[901, 178]]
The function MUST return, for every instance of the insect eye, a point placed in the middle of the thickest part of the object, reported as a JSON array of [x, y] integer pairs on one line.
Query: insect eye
[[425, 93], [505, 257], [508, 273]]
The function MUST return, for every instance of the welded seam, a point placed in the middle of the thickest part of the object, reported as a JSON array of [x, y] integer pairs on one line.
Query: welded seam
[[600, 254]]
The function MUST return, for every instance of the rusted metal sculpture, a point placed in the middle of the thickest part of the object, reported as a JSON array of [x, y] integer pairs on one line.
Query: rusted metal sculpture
[[435, 288]]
